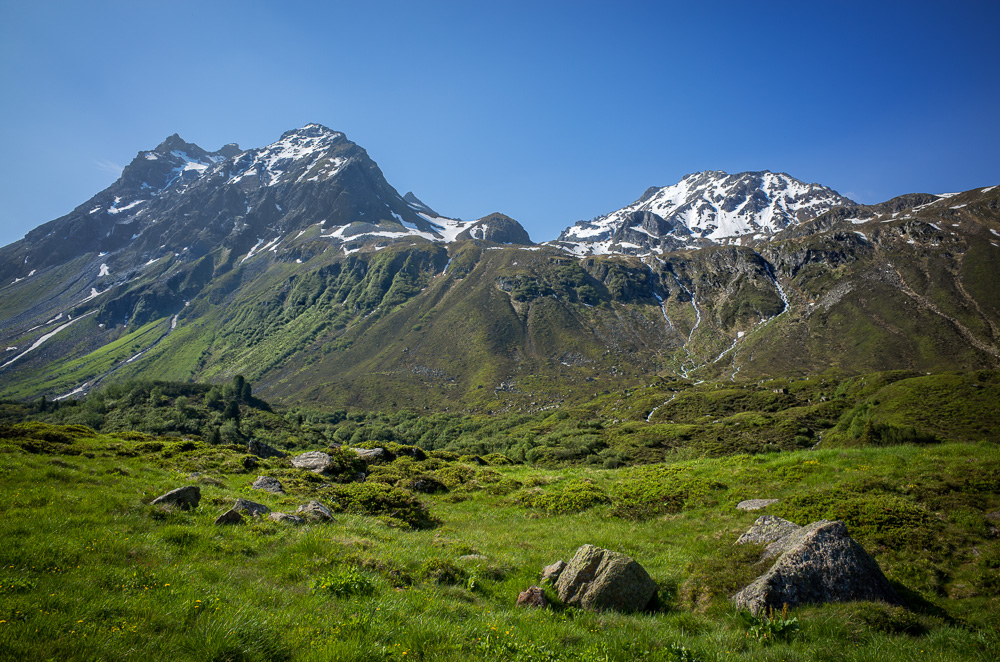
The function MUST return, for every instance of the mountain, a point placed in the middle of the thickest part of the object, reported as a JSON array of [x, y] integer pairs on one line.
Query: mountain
[[298, 266], [702, 209]]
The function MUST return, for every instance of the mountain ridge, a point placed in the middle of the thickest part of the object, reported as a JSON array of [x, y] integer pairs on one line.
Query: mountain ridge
[[297, 265]]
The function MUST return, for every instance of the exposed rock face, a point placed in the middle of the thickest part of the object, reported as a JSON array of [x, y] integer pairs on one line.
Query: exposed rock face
[[755, 504], [251, 508], [268, 484], [231, 516], [262, 450], [601, 579], [370, 454], [183, 497], [533, 597], [552, 572], [285, 517], [315, 461], [315, 511], [820, 563], [767, 529]]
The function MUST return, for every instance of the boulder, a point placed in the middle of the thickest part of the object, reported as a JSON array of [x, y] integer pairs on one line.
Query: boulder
[[819, 563], [315, 511], [533, 597], [767, 529], [250, 462], [250, 508], [755, 504], [425, 484], [285, 517], [183, 497], [601, 579], [472, 557], [231, 516], [262, 450], [315, 461], [551, 572], [268, 484]]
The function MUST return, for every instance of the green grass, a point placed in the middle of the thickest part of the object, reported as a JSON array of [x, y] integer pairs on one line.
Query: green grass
[[90, 571]]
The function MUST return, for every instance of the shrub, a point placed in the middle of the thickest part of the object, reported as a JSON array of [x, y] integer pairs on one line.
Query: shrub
[[378, 499], [653, 490], [571, 497]]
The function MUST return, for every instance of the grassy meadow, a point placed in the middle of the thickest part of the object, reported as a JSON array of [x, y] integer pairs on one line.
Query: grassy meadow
[[90, 570]]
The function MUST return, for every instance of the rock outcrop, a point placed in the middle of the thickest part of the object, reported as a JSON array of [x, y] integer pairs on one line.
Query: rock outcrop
[[315, 511], [767, 529], [183, 497], [285, 517], [251, 508], [231, 516], [262, 450], [819, 563], [604, 580], [534, 596], [315, 461], [551, 572], [755, 504], [268, 484]]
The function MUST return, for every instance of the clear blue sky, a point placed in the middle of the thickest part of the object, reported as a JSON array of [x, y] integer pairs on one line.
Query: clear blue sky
[[550, 112]]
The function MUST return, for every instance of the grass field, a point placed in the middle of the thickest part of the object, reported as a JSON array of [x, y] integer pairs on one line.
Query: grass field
[[91, 571]]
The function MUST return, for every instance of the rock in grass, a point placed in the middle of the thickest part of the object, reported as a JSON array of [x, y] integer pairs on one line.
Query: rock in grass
[[285, 517], [551, 572], [370, 454], [183, 497], [755, 504], [268, 484], [315, 511], [315, 461], [533, 597], [820, 563], [601, 579], [231, 516], [250, 508], [262, 450], [767, 529]]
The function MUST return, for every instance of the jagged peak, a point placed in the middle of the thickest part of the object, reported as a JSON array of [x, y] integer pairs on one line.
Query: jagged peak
[[312, 130]]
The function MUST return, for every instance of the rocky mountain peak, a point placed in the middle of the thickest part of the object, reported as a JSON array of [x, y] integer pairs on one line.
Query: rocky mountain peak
[[704, 208]]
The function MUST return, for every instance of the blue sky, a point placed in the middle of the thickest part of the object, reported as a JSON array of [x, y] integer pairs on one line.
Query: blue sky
[[550, 112]]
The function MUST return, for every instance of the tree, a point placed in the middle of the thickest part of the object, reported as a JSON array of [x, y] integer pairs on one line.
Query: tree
[[232, 411]]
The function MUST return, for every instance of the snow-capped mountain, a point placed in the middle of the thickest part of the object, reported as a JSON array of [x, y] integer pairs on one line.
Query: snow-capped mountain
[[181, 199], [703, 208]]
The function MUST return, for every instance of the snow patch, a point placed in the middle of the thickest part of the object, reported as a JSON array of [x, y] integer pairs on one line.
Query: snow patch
[[104, 271]]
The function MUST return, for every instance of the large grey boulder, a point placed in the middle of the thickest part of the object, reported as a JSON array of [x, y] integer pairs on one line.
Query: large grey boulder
[[268, 484], [767, 529], [315, 461], [819, 563], [262, 450], [601, 579], [183, 497]]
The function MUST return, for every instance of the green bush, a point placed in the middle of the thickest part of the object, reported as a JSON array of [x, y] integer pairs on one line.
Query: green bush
[[571, 497], [378, 499]]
